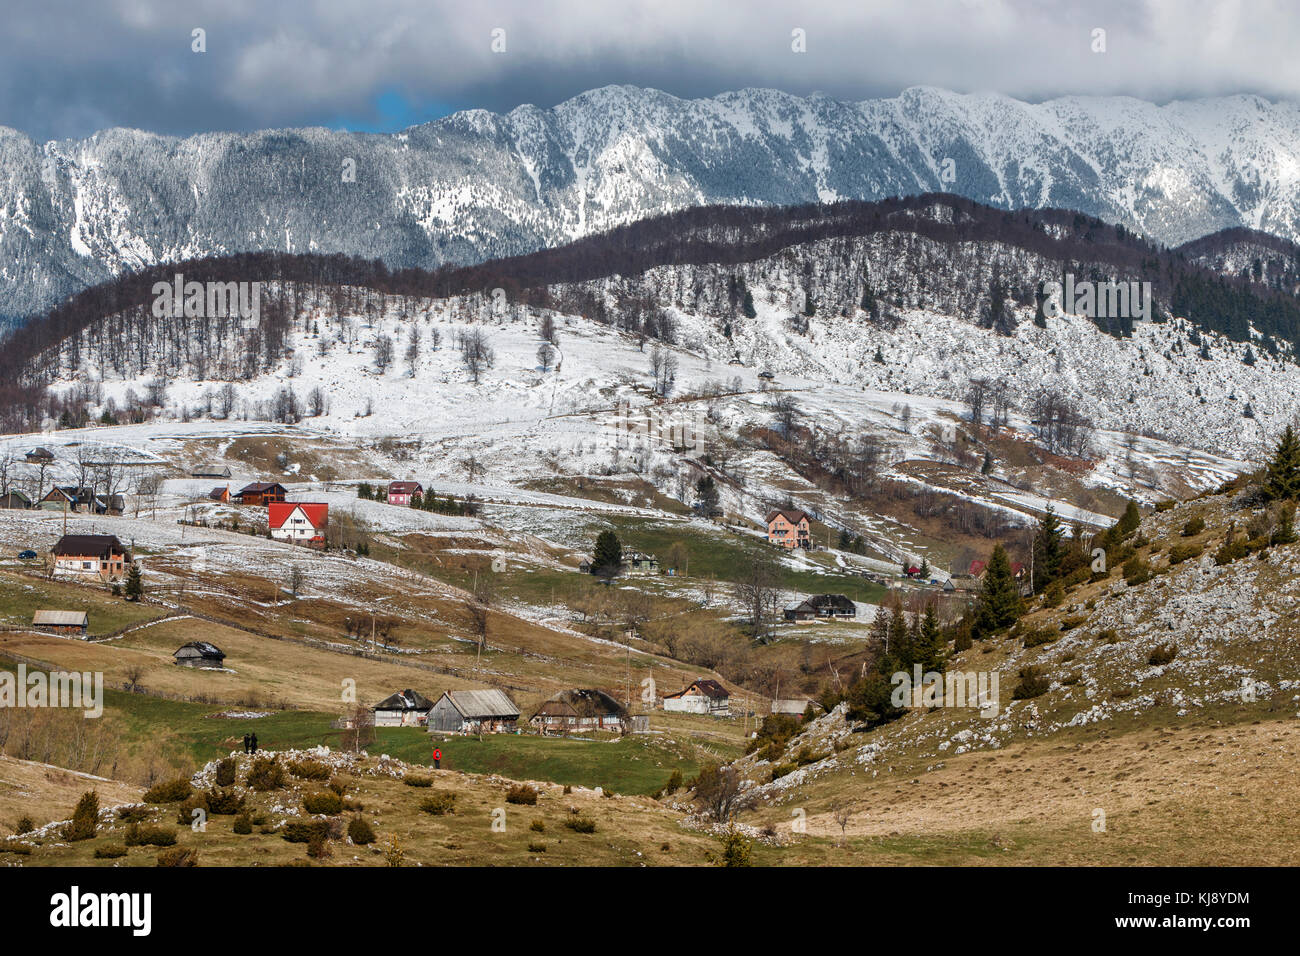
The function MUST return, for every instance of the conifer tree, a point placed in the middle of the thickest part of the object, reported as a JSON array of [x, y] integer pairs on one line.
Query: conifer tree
[[999, 602], [134, 584], [1282, 479], [607, 559], [1048, 550]]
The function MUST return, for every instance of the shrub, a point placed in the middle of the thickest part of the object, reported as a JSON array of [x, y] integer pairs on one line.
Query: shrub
[[1163, 506], [1230, 552], [1185, 552], [85, 818], [568, 789], [1163, 654], [137, 835], [225, 802], [536, 846], [338, 785], [523, 795], [310, 769], [675, 781], [414, 780], [243, 823], [1033, 683], [783, 769], [185, 812], [581, 824], [324, 801], [1194, 527], [170, 791], [25, 824], [538, 826], [1136, 571], [226, 772], [1070, 623], [179, 856], [110, 851], [737, 849], [265, 774], [439, 802], [318, 848], [1035, 636], [136, 812], [1108, 636], [1069, 680], [302, 831], [1054, 594], [360, 831]]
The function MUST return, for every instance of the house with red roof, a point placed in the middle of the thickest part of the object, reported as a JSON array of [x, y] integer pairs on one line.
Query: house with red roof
[[401, 492], [299, 522]]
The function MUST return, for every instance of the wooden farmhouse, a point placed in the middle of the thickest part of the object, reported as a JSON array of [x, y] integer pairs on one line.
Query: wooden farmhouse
[[200, 654], [576, 711], [401, 492], [261, 493], [298, 522], [821, 605], [703, 696], [639, 561], [15, 501], [39, 456], [66, 623], [473, 712], [91, 555], [221, 494], [789, 529], [406, 708]]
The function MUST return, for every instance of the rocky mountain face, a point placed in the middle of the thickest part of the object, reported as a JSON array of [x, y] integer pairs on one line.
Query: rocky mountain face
[[478, 185]]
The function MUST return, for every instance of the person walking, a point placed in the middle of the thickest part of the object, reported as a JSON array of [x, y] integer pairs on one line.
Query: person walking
[[253, 741], [246, 743]]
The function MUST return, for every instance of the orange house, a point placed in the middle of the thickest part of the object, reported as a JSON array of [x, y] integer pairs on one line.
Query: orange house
[[789, 529]]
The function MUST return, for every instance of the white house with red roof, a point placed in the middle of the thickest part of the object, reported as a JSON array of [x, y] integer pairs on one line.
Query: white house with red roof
[[299, 522]]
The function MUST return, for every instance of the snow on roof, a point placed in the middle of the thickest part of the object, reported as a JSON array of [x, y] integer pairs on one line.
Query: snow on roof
[[199, 649], [405, 700]]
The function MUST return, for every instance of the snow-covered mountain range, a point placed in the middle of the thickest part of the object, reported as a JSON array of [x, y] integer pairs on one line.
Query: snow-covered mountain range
[[478, 185]]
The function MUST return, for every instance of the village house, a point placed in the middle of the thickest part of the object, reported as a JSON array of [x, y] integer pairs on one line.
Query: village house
[[200, 654], [68, 498], [261, 493], [639, 561], [406, 708], [703, 696], [401, 492], [210, 471], [67, 623], [39, 456], [788, 528], [821, 605], [572, 711], [221, 494], [92, 555], [473, 712], [298, 522], [15, 501]]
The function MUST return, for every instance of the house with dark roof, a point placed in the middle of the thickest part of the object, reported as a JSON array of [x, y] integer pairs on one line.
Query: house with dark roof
[[15, 501], [473, 712], [221, 494], [581, 710], [401, 492], [39, 456], [703, 696], [821, 605], [200, 654], [788, 528], [91, 555], [261, 493], [210, 471], [640, 561], [406, 708]]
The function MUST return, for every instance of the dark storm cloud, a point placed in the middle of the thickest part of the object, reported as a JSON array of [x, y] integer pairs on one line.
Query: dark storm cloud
[[67, 69]]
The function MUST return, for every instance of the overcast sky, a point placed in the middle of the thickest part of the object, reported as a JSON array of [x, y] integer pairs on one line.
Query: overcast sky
[[70, 68]]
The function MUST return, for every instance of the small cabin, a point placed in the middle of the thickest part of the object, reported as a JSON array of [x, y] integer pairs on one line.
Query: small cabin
[[200, 654], [210, 471], [15, 501], [67, 623], [703, 696], [641, 562], [580, 710]]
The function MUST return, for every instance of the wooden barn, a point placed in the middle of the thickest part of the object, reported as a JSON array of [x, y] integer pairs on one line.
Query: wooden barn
[[406, 708], [67, 623], [473, 712], [15, 501], [200, 654], [575, 711]]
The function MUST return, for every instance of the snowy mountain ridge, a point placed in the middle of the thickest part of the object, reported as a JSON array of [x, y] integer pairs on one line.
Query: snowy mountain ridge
[[478, 185]]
